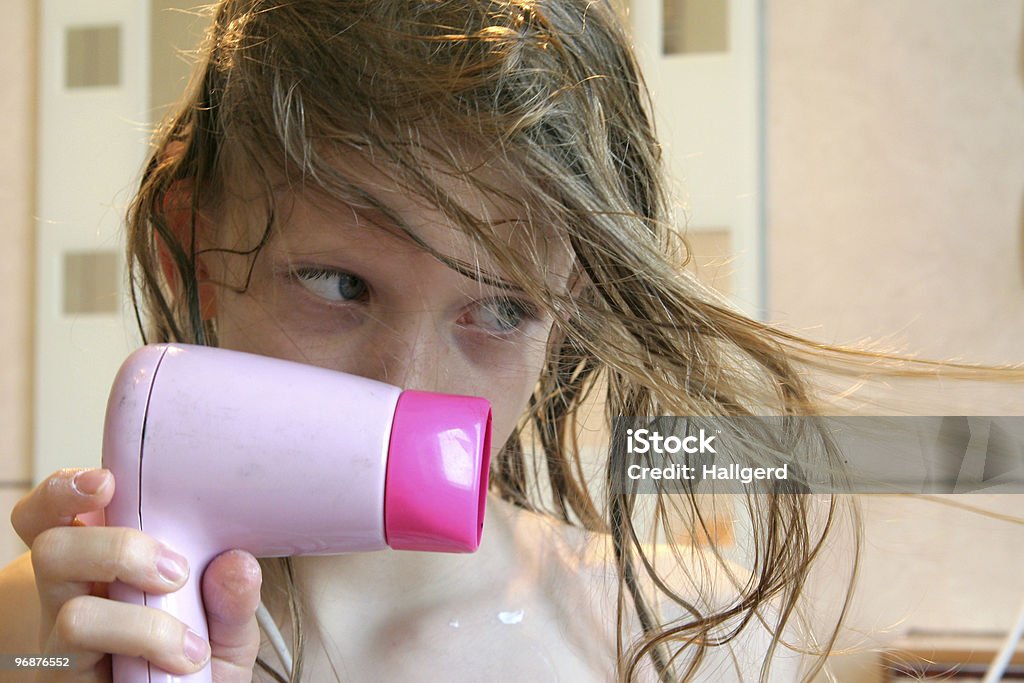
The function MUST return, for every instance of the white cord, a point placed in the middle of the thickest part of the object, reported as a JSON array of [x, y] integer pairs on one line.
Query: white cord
[[266, 622], [1002, 660]]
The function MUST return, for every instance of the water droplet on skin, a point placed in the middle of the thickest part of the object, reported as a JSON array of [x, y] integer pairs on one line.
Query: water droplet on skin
[[510, 617], [454, 623]]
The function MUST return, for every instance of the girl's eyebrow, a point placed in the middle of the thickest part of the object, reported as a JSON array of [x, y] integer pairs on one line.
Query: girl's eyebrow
[[379, 215], [510, 287], [381, 230], [382, 219]]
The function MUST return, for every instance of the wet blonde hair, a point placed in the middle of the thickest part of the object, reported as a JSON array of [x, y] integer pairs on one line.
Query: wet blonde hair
[[548, 92]]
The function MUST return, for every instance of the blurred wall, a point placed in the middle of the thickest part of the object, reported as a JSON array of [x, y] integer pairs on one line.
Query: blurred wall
[[895, 170], [17, 191], [174, 30]]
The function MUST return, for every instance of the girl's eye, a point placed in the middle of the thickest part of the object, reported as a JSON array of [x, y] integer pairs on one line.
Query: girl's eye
[[331, 285], [501, 316]]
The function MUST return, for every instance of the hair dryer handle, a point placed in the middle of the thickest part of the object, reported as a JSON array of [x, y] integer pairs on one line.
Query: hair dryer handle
[[122, 448], [138, 670]]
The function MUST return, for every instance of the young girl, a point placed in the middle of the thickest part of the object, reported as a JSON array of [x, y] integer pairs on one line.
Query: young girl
[[459, 196]]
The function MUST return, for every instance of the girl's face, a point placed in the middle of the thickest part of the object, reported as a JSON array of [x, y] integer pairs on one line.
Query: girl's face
[[339, 287]]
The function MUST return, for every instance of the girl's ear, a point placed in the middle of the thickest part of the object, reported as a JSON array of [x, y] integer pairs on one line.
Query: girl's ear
[[182, 218]]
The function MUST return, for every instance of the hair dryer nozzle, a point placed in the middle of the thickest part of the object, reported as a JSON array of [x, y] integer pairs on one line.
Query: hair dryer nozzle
[[437, 480]]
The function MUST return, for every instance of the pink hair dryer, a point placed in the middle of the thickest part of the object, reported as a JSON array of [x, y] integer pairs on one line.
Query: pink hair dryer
[[214, 450]]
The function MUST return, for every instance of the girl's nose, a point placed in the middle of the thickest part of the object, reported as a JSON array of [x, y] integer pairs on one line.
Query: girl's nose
[[411, 354]]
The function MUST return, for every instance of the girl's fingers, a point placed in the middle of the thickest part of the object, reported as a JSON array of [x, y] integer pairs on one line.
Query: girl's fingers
[[87, 627], [75, 620], [231, 593], [60, 497], [101, 555]]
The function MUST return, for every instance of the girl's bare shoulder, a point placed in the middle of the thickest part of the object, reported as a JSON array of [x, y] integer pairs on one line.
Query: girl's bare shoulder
[[583, 570]]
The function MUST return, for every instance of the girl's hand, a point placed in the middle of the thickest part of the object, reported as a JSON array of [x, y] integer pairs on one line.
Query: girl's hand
[[73, 564]]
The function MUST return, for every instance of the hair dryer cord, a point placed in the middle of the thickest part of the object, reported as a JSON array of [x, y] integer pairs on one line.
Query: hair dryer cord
[[266, 623]]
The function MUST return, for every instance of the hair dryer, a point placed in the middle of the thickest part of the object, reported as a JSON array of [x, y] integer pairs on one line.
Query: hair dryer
[[213, 450]]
